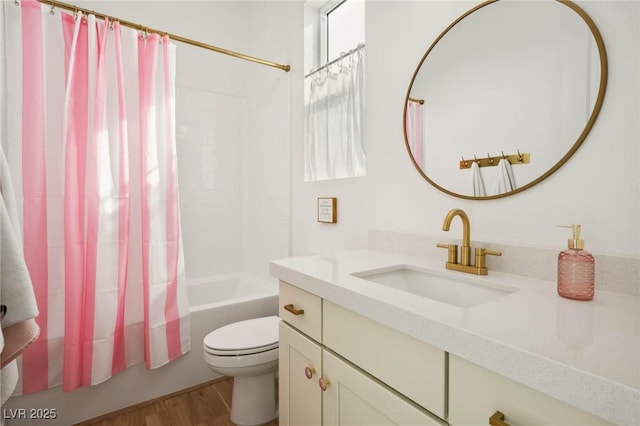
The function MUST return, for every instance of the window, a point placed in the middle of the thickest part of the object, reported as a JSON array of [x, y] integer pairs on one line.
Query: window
[[331, 28], [344, 28]]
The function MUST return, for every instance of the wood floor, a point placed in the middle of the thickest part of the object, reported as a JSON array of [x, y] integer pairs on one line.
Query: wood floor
[[202, 406]]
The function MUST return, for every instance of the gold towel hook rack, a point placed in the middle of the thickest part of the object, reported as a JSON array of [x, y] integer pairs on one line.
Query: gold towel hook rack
[[52, 11], [489, 161], [490, 158]]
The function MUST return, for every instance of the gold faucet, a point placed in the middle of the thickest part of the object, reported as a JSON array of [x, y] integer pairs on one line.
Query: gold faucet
[[480, 268]]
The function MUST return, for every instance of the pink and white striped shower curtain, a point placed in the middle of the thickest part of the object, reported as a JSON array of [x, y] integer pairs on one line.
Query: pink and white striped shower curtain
[[413, 129], [92, 150]]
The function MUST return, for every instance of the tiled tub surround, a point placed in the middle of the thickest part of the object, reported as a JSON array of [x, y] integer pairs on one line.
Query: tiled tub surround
[[583, 353]]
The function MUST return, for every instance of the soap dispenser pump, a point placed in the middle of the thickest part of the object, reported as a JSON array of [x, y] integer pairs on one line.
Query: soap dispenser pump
[[576, 269]]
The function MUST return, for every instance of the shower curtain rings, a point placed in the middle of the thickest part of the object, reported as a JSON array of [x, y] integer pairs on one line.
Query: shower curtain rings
[[143, 32]]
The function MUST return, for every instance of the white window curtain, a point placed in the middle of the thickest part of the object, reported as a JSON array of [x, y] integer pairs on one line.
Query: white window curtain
[[334, 127]]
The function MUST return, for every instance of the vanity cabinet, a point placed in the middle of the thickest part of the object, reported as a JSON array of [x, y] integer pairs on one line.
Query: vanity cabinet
[[339, 367], [321, 380], [476, 394]]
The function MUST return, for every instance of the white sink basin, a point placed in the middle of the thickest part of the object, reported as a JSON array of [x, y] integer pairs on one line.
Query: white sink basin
[[464, 292]]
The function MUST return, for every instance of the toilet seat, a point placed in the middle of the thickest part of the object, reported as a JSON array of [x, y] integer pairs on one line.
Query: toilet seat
[[247, 337]]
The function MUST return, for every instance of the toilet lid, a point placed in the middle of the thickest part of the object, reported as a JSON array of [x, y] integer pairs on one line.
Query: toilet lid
[[249, 336]]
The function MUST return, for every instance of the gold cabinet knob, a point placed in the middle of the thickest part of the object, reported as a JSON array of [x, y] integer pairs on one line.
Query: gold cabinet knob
[[309, 372], [324, 383]]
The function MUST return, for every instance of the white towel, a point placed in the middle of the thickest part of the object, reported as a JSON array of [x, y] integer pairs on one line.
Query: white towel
[[478, 185], [9, 381], [504, 178], [16, 289]]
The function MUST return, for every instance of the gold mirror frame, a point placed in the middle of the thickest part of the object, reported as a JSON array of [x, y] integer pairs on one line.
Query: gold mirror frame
[[592, 118]]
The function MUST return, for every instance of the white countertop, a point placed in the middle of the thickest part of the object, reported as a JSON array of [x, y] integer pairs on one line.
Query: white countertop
[[584, 353]]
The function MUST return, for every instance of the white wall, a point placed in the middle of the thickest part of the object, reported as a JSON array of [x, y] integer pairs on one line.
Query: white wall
[[276, 33], [599, 187]]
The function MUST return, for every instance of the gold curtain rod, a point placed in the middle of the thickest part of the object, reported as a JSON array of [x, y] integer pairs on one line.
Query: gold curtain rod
[[175, 37], [490, 161], [420, 101]]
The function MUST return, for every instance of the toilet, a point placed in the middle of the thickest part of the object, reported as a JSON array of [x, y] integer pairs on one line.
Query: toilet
[[248, 352]]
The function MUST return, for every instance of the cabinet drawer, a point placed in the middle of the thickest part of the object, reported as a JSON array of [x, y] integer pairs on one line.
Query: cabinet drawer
[[476, 393], [413, 368], [301, 309]]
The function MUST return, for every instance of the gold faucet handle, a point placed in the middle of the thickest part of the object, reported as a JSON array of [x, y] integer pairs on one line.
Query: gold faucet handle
[[491, 252], [452, 255], [481, 258]]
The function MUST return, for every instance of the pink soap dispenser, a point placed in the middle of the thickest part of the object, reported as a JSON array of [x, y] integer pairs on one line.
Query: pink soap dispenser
[[576, 269]]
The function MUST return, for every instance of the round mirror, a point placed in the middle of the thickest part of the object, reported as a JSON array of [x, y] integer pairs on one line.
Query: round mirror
[[520, 81]]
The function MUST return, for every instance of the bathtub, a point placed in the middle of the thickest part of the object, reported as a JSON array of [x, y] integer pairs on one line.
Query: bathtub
[[214, 302], [205, 294]]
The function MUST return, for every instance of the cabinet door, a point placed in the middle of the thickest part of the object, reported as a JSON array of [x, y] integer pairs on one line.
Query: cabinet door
[[352, 398], [300, 397], [413, 368], [476, 394]]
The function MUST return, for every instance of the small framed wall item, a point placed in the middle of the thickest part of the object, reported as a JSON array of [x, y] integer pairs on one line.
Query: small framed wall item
[[327, 210]]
